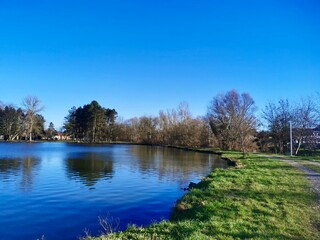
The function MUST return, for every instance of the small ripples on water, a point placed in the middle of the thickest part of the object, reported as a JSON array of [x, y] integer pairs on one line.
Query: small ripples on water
[[61, 189]]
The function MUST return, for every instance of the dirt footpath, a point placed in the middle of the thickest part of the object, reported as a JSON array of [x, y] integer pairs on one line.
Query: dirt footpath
[[314, 177]]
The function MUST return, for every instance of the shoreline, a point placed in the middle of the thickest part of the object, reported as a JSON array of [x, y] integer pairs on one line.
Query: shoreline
[[258, 198]]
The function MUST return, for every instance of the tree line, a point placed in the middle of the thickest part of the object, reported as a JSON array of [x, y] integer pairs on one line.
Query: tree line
[[25, 122], [304, 116], [231, 123], [171, 127]]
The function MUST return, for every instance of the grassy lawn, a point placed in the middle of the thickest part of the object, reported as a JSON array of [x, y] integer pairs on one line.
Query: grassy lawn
[[308, 158], [311, 166], [313, 156], [262, 199]]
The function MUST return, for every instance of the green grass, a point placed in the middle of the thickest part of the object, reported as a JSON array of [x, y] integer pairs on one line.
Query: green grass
[[306, 155], [315, 158], [263, 199], [311, 158], [313, 167]]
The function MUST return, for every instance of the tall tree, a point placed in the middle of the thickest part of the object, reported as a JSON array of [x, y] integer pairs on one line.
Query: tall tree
[[304, 120], [147, 130], [232, 120], [96, 121], [111, 115], [51, 131], [277, 119], [38, 128], [70, 124], [32, 107], [11, 122], [89, 123]]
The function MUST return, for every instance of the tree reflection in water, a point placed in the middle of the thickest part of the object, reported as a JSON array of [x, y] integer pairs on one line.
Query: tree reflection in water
[[28, 171], [175, 164], [9, 165], [25, 167], [89, 168]]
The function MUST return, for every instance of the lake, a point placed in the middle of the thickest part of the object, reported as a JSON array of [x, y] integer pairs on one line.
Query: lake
[[59, 190]]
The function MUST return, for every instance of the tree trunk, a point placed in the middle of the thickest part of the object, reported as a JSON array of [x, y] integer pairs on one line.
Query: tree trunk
[[30, 130], [299, 145], [94, 130]]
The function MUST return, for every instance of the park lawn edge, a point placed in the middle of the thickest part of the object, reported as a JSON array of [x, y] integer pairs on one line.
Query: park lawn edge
[[259, 198], [313, 167]]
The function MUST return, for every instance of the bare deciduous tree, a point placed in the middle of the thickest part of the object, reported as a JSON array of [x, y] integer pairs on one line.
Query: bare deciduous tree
[[32, 107], [172, 127], [277, 119], [304, 118], [232, 120]]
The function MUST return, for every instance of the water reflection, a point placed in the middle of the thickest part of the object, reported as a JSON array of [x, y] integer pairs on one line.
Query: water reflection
[[152, 177], [89, 168], [175, 164], [9, 165], [26, 167]]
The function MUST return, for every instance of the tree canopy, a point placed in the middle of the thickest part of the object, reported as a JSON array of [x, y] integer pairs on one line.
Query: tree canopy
[[90, 123], [232, 120], [230, 124], [22, 123]]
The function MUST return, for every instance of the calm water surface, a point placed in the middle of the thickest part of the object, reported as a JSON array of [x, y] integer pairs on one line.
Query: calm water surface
[[58, 190]]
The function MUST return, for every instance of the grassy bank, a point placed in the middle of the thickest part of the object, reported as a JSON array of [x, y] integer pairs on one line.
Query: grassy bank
[[262, 199]]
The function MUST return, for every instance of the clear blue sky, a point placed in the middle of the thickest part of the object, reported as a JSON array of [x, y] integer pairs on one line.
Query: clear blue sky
[[143, 56]]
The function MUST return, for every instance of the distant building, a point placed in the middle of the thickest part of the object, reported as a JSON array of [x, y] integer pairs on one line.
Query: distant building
[[316, 135], [61, 136], [311, 138]]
